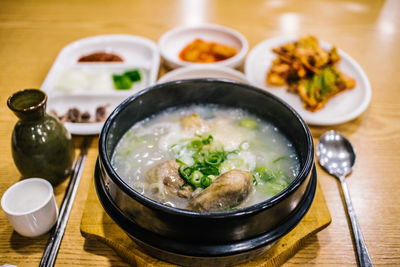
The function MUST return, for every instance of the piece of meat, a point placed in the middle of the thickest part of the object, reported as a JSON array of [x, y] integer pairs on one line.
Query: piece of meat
[[227, 191], [73, 115], [100, 113], [192, 121], [275, 79], [167, 172], [85, 117]]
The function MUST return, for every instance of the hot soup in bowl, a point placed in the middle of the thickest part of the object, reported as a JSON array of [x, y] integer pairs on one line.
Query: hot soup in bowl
[[205, 168], [206, 158]]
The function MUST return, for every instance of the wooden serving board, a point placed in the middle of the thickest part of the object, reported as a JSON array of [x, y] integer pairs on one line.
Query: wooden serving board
[[96, 224]]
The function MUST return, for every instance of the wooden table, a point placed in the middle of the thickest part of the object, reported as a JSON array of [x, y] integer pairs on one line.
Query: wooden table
[[33, 32]]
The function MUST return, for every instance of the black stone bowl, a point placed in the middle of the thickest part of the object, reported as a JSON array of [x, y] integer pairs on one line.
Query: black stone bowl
[[211, 238]]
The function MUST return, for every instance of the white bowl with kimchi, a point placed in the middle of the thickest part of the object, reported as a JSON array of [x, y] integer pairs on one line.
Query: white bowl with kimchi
[[207, 44], [281, 66]]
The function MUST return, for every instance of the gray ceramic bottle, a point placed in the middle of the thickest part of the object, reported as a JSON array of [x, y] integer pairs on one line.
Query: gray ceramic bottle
[[41, 146]]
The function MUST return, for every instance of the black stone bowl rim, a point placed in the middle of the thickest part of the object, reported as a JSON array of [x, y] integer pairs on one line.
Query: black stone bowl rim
[[307, 168], [199, 249]]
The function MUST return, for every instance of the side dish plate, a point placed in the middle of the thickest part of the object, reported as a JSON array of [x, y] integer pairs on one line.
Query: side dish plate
[[89, 85], [341, 108]]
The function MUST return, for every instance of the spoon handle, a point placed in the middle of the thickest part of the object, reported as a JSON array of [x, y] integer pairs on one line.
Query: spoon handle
[[362, 252]]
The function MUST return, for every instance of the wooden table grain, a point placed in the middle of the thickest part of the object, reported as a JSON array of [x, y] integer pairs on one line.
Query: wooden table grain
[[32, 33]]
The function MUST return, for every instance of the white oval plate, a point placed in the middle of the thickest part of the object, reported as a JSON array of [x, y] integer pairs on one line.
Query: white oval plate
[[193, 72], [339, 109], [172, 42], [137, 53]]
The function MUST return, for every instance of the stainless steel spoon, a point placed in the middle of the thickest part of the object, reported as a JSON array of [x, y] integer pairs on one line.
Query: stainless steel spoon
[[336, 155]]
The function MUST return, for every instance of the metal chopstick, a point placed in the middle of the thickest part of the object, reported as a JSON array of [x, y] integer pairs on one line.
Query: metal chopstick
[[53, 244]]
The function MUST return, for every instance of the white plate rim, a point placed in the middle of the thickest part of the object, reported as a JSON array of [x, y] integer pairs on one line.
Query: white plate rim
[[309, 118], [198, 68]]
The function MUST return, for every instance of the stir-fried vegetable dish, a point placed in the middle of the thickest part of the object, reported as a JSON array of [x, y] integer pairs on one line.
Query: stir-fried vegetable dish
[[309, 71]]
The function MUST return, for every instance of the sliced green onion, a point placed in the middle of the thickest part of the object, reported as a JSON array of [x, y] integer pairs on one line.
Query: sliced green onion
[[255, 182], [205, 181], [208, 140], [278, 159], [260, 169], [188, 171], [237, 162], [183, 174], [209, 170], [212, 177], [248, 123], [180, 162], [232, 152], [196, 144], [244, 145], [206, 160], [269, 176], [197, 158], [195, 178], [214, 159]]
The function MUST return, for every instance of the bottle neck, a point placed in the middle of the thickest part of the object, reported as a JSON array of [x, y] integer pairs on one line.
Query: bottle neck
[[29, 115], [28, 104]]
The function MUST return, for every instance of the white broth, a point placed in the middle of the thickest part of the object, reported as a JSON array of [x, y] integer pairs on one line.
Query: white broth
[[224, 138]]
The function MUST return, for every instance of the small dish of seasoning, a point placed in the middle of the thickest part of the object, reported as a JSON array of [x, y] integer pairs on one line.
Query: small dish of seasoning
[[207, 44], [100, 57]]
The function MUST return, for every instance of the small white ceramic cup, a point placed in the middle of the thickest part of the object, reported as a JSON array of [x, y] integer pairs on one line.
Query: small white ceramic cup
[[30, 206]]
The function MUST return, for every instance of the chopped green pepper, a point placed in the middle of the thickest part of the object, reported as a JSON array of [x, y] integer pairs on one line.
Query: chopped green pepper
[[134, 75], [125, 81], [122, 82]]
